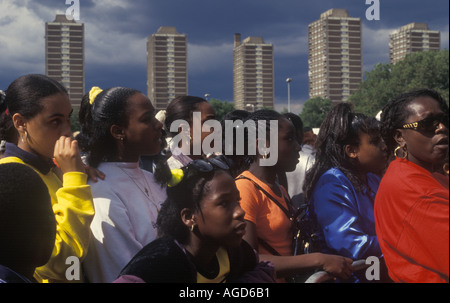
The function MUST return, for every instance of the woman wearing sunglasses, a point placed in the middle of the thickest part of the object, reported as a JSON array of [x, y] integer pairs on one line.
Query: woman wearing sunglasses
[[201, 225], [412, 206]]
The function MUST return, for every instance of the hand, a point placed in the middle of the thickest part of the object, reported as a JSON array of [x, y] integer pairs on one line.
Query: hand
[[67, 155], [337, 266], [94, 173]]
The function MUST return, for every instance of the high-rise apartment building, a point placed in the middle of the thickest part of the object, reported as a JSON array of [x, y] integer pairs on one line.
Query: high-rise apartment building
[[166, 66], [334, 55], [64, 55], [252, 73], [413, 37]]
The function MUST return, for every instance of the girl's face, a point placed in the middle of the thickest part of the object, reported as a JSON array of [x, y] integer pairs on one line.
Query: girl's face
[[44, 129], [426, 147], [221, 220], [372, 153], [288, 146], [207, 113], [143, 132]]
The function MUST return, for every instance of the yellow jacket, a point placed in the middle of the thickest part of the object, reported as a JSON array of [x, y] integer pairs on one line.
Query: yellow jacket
[[74, 210]]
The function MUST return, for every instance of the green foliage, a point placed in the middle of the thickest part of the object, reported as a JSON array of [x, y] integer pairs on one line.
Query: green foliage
[[74, 122], [386, 81], [315, 110], [221, 107]]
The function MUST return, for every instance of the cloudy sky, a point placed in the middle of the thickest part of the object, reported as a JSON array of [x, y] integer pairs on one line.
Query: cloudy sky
[[116, 33]]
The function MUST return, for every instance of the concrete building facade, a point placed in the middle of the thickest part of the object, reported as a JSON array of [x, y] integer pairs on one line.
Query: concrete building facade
[[410, 38], [167, 75], [64, 56], [334, 55], [253, 73]]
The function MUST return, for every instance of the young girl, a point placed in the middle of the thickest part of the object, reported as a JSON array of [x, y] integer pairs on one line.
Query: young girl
[[341, 186], [117, 126], [269, 212], [201, 226], [40, 110]]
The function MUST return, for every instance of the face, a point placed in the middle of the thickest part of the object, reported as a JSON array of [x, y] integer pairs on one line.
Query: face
[[288, 146], [143, 132], [207, 113], [372, 154], [425, 148], [44, 129], [221, 220]]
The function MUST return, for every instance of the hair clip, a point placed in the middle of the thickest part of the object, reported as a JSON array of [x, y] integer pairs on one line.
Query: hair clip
[[177, 176], [93, 93]]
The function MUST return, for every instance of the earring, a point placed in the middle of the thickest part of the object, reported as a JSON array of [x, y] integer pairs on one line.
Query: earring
[[405, 152], [192, 227], [26, 137]]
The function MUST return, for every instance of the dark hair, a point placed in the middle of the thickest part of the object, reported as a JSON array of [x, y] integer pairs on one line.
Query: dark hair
[[238, 163], [298, 124], [26, 216], [187, 194], [108, 108], [395, 113], [181, 108], [265, 115], [23, 96], [340, 127]]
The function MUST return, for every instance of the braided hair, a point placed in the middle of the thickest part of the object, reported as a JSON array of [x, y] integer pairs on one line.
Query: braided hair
[[108, 108], [395, 113]]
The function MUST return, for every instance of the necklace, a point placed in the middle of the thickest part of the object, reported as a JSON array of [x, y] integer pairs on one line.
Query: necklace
[[147, 189]]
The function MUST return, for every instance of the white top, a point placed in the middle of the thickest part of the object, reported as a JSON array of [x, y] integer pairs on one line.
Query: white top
[[296, 178], [124, 221]]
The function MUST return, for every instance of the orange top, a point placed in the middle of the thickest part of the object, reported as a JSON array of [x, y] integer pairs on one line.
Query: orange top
[[272, 225]]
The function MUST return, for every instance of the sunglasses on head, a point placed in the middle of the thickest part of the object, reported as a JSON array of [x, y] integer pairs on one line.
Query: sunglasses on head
[[208, 165], [429, 124]]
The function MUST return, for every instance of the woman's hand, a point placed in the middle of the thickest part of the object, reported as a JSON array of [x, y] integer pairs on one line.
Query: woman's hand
[[94, 173], [67, 155], [337, 266]]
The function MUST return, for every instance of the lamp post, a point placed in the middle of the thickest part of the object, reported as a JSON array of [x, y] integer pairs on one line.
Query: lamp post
[[252, 105], [288, 81], [207, 96]]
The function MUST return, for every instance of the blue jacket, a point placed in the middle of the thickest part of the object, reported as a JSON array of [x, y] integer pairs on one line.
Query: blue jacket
[[345, 216]]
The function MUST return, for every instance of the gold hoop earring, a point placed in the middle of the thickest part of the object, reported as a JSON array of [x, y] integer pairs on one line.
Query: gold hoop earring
[[192, 227], [405, 151]]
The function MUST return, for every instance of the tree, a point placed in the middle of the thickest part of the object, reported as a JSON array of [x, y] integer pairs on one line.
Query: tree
[[315, 110], [386, 81], [221, 107]]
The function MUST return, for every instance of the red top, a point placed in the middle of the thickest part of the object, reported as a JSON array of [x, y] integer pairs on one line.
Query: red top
[[412, 223]]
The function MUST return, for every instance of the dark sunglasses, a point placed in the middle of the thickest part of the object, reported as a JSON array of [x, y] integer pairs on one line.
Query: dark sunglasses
[[203, 165], [429, 124]]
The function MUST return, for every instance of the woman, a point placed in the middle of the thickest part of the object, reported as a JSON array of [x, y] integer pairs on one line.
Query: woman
[[201, 226], [40, 110], [340, 187], [118, 126], [411, 206], [269, 212], [195, 111]]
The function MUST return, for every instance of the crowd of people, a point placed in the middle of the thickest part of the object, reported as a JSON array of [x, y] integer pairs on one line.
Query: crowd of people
[[134, 207]]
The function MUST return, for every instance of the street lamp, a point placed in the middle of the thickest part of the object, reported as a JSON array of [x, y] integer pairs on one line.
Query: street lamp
[[252, 105], [207, 96], [289, 80]]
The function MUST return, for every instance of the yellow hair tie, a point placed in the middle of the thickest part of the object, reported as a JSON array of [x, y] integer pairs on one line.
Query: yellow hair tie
[[93, 93], [177, 176]]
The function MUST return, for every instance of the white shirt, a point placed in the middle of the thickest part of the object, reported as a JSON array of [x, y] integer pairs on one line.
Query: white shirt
[[124, 221], [296, 178]]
